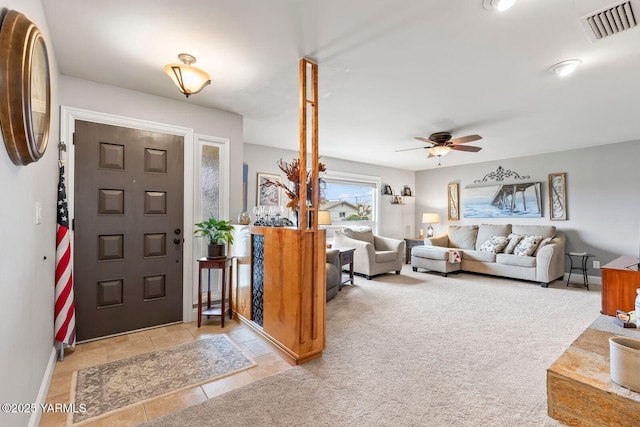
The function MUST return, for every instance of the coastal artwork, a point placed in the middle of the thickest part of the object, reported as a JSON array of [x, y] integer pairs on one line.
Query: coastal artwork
[[520, 200]]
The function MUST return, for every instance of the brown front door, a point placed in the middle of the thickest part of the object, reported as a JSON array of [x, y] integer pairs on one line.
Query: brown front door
[[128, 199]]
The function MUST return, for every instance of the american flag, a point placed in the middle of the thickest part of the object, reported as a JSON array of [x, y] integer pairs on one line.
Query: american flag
[[65, 312]]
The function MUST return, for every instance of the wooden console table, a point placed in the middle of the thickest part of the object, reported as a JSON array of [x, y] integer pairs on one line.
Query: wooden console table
[[580, 391], [620, 279]]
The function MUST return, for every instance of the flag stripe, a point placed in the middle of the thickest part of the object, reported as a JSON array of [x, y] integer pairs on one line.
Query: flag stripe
[[65, 313]]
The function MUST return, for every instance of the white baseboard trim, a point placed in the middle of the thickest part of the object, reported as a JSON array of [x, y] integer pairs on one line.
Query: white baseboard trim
[[576, 278], [34, 420]]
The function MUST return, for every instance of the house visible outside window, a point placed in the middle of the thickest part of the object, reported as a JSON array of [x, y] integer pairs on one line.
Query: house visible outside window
[[351, 199]]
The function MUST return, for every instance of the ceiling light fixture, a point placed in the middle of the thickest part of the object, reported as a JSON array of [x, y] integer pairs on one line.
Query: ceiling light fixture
[[188, 78], [499, 5], [439, 150], [565, 68]]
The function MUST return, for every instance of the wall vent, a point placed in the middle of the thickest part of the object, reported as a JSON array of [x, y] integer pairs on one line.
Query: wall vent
[[611, 20]]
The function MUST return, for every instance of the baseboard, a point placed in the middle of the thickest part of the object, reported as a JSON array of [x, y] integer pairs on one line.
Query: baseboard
[[575, 279], [34, 420]]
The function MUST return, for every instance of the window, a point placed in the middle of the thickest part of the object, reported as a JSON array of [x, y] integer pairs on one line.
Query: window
[[351, 199]]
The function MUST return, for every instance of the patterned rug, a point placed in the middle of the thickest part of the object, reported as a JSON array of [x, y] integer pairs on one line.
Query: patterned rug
[[115, 385]]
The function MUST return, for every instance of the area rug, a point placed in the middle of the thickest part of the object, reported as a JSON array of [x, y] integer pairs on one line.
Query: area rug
[[109, 387]]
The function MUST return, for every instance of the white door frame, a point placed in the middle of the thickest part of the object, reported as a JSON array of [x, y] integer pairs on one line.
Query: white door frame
[[68, 116]]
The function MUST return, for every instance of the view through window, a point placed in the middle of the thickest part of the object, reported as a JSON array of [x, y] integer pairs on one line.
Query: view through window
[[350, 202]]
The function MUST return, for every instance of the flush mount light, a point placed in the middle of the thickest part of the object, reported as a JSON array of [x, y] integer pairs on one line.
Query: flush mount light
[[499, 5], [565, 68], [188, 78], [439, 150]]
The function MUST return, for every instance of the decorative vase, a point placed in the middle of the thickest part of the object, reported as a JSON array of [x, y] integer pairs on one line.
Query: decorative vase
[[244, 218], [215, 251]]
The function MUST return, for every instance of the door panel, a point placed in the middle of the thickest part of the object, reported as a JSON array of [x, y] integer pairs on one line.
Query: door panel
[[128, 229]]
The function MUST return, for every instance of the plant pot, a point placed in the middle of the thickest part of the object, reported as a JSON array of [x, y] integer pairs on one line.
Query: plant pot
[[215, 251]]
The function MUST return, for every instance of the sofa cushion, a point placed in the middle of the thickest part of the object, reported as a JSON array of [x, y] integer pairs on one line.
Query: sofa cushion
[[431, 252], [463, 236], [482, 256], [514, 239], [364, 234], [386, 256], [516, 260], [485, 231], [542, 244], [494, 244], [527, 245], [534, 230]]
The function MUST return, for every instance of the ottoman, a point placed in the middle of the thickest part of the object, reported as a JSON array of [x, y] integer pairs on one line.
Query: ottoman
[[435, 258]]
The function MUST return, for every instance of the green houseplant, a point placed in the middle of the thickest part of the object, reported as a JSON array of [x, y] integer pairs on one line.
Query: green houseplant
[[218, 232]]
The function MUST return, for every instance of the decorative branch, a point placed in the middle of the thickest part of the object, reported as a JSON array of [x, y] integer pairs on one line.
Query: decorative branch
[[292, 172], [500, 174]]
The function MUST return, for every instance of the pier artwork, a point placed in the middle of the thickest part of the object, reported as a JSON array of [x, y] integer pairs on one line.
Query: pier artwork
[[505, 200]]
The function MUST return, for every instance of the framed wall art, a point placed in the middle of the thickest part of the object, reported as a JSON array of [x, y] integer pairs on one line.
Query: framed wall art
[[453, 212], [521, 200], [268, 195], [557, 196]]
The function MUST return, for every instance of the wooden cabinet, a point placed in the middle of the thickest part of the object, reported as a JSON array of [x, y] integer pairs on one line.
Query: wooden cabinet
[[620, 279], [288, 290]]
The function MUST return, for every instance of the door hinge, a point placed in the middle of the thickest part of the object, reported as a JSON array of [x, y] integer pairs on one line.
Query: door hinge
[[73, 139], [73, 224]]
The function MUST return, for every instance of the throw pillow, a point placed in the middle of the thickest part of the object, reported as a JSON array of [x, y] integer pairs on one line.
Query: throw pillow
[[495, 244], [527, 245], [514, 239]]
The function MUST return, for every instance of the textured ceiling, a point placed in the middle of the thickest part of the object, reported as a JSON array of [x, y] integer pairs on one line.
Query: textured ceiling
[[389, 70]]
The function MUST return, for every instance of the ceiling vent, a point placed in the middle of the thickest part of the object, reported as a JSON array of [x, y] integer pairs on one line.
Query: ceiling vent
[[611, 20]]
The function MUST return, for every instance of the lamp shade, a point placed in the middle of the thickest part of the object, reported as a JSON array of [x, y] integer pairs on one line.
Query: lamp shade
[[188, 78], [324, 218], [430, 218]]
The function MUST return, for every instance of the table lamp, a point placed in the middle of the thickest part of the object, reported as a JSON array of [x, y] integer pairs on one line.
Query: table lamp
[[324, 218], [430, 218]]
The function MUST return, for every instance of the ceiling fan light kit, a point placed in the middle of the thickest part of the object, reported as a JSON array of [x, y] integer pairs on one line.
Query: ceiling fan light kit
[[565, 68], [499, 5], [188, 78], [439, 150]]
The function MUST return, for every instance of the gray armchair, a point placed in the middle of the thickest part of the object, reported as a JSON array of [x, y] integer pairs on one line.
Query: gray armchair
[[374, 254], [334, 276]]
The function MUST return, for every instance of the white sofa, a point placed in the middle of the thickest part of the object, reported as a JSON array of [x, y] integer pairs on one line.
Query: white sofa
[[479, 249]]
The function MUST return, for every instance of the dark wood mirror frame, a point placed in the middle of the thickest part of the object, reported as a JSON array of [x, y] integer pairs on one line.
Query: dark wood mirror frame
[[25, 92]]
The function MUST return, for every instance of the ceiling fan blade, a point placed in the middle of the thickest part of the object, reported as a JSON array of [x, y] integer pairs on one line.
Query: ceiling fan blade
[[409, 149], [423, 139], [470, 148], [465, 139]]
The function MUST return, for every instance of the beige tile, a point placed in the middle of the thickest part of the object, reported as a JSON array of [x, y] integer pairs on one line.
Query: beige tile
[[129, 349], [148, 333], [205, 331], [171, 339], [125, 418], [82, 360], [255, 347], [60, 383], [269, 364], [242, 334], [223, 385], [173, 402]]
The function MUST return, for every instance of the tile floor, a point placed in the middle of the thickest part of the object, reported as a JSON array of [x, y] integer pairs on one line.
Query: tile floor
[[109, 349]]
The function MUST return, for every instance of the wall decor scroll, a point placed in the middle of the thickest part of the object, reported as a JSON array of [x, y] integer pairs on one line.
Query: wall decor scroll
[[453, 212], [557, 196], [500, 174], [25, 93]]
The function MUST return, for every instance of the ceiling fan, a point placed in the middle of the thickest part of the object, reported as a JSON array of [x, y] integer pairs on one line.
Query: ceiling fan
[[440, 143]]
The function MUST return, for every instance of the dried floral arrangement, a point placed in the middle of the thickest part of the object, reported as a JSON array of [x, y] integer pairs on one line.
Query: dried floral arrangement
[[292, 172]]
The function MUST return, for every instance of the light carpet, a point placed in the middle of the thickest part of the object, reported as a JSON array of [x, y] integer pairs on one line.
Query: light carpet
[[419, 350], [115, 385]]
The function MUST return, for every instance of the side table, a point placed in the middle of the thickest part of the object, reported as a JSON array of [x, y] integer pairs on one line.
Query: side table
[[346, 258], [209, 264], [410, 243], [581, 266]]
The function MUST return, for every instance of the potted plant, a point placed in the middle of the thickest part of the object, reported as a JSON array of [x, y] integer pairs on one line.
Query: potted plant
[[218, 233]]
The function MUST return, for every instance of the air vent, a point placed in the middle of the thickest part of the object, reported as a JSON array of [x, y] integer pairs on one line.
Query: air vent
[[611, 20]]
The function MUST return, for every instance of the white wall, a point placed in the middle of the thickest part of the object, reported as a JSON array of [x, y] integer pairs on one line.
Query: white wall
[[27, 256], [395, 220], [602, 196], [101, 98]]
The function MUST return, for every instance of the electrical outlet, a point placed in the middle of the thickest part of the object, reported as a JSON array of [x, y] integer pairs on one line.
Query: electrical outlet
[[596, 264]]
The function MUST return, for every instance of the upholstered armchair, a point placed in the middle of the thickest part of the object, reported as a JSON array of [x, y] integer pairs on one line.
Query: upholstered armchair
[[374, 254], [333, 273]]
